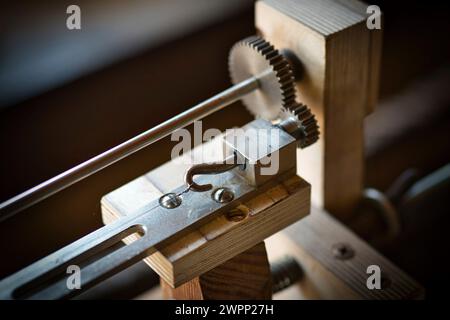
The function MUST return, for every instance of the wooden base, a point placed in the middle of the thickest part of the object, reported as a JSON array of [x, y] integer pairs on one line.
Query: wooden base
[[246, 276], [311, 242]]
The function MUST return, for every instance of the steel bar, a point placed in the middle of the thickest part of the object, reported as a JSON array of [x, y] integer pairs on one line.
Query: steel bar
[[105, 159], [47, 278]]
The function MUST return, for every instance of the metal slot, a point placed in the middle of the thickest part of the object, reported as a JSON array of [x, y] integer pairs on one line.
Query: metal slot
[[51, 277], [45, 278]]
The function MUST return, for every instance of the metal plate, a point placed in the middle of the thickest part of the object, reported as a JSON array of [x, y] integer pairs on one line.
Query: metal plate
[[47, 278]]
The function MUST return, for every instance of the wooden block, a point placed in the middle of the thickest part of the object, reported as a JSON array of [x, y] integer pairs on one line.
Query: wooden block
[[270, 210], [221, 239], [341, 60], [245, 276]]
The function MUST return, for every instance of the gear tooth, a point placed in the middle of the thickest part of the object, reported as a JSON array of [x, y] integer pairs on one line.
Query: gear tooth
[[274, 60], [252, 40], [261, 45], [285, 71], [290, 95], [286, 87], [298, 110], [287, 83], [280, 67], [302, 113], [311, 120], [265, 50], [289, 101], [289, 92], [287, 78], [306, 121], [260, 42], [301, 107], [278, 61], [281, 63], [268, 52], [290, 98]]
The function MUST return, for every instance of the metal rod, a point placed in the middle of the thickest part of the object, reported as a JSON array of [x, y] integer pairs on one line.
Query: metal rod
[[105, 159]]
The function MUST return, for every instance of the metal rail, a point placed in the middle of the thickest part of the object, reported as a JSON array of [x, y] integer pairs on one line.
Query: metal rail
[[107, 158], [97, 254]]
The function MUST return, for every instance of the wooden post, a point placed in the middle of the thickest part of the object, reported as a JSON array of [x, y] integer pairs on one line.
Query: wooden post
[[340, 57], [245, 276]]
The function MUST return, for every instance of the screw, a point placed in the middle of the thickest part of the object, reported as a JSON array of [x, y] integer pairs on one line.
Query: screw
[[170, 200], [342, 251], [223, 195], [237, 214]]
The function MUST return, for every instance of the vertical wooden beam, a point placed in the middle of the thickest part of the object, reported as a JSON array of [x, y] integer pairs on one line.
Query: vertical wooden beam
[[245, 276], [340, 56]]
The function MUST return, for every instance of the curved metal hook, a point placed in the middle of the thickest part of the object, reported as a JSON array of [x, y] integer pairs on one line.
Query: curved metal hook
[[208, 168]]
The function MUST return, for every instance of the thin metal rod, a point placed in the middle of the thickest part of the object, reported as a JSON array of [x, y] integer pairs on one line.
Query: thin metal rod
[[105, 159]]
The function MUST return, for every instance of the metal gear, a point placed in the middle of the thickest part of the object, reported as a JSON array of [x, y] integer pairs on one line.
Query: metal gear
[[255, 57], [299, 122]]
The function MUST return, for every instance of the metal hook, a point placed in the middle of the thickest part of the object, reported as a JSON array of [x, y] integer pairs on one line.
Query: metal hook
[[208, 168]]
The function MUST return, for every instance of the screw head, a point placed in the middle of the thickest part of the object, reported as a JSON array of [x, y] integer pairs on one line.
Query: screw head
[[170, 200], [342, 251], [223, 195], [237, 214]]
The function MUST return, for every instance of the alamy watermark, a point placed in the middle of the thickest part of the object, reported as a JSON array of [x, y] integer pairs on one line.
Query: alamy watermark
[[374, 279], [373, 21], [73, 21], [73, 282], [257, 144]]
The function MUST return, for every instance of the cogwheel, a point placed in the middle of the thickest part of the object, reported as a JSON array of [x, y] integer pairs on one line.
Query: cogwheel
[[299, 122], [255, 57]]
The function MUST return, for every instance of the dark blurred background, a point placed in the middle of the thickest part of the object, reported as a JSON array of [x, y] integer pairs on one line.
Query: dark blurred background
[[66, 96]]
